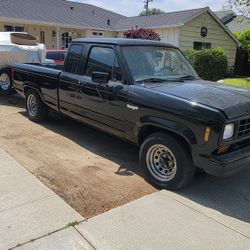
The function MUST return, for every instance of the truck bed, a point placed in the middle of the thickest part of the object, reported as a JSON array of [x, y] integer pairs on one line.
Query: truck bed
[[44, 78]]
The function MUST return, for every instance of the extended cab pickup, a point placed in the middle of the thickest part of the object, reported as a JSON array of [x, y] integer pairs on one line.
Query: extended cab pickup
[[146, 93]]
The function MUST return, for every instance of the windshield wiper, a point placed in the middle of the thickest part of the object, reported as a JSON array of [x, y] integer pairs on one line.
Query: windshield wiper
[[187, 77], [155, 79]]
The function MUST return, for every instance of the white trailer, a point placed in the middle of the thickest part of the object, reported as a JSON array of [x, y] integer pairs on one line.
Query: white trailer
[[17, 47]]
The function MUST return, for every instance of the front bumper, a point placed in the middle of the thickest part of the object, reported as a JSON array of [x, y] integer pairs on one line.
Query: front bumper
[[227, 164]]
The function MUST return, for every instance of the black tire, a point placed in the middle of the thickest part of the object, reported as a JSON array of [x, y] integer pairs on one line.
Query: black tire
[[6, 82], [165, 162], [37, 111]]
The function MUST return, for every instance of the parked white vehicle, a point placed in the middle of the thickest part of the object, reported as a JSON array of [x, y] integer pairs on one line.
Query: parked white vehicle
[[17, 47]]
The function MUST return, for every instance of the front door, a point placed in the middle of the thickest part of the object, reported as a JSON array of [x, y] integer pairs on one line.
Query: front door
[[103, 104]]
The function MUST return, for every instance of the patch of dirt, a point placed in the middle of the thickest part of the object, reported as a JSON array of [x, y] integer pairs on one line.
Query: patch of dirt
[[93, 172]]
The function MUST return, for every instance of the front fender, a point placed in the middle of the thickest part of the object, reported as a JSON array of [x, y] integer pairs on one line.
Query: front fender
[[186, 133]]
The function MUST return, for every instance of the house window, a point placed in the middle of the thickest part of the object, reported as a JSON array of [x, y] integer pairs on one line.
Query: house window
[[19, 29], [206, 45], [201, 45], [97, 33], [66, 40], [10, 28], [42, 37]]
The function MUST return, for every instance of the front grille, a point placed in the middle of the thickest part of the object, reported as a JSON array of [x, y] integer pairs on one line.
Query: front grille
[[244, 128]]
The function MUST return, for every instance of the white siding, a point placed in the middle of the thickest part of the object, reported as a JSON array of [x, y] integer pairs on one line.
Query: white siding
[[217, 36], [169, 35]]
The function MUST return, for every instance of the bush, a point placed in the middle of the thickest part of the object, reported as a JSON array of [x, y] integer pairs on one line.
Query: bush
[[210, 64], [142, 33]]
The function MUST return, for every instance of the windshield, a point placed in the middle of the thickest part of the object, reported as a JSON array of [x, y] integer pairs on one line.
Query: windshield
[[157, 64]]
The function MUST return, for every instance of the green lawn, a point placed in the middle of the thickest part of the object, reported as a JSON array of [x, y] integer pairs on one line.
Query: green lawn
[[240, 82]]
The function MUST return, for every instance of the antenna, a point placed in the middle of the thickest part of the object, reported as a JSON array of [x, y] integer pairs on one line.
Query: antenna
[[146, 3]]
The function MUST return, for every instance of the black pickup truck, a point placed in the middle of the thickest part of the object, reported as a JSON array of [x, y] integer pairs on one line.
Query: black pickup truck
[[146, 93]]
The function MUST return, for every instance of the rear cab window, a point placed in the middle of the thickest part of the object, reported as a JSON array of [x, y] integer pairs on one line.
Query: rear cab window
[[55, 55], [73, 59]]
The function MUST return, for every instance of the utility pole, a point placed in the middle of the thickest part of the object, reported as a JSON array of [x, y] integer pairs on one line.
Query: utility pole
[[146, 2]]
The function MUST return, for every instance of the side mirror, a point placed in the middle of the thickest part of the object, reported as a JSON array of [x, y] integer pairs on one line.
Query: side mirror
[[100, 77], [117, 89]]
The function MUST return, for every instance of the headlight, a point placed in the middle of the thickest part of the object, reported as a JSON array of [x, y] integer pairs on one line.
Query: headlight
[[228, 131]]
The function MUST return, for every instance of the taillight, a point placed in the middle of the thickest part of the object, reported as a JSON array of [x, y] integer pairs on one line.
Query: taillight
[[12, 75]]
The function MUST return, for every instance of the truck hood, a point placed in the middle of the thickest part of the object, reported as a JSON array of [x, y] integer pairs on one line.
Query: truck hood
[[234, 102]]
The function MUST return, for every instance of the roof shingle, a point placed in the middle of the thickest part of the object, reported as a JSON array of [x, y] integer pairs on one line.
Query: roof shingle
[[64, 13], [170, 19], [59, 12]]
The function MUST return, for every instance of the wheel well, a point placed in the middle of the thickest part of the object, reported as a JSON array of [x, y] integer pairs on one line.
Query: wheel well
[[149, 130], [27, 88]]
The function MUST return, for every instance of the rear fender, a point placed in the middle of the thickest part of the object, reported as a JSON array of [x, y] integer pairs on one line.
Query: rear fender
[[34, 86]]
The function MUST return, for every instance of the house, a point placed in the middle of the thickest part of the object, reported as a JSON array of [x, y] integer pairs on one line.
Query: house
[[235, 23], [189, 29], [57, 22]]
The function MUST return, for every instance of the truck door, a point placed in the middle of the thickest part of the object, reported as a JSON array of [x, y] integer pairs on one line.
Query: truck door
[[69, 79], [103, 103]]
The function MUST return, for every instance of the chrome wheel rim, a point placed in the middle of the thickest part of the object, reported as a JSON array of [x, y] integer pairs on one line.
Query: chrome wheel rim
[[161, 162], [4, 81], [32, 105]]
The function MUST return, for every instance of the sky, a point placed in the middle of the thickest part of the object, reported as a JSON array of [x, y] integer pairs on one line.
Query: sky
[[133, 7]]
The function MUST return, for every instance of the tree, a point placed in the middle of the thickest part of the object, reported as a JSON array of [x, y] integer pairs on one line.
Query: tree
[[152, 11], [243, 54], [142, 33], [244, 38], [241, 6]]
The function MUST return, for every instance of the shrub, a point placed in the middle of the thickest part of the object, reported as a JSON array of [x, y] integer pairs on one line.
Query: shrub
[[210, 64], [142, 33], [191, 55]]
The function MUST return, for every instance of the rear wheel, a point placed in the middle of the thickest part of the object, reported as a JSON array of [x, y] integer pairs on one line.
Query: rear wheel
[[166, 163], [5, 82], [37, 111]]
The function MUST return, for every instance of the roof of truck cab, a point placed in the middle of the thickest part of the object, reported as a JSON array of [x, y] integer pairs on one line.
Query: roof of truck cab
[[121, 41]]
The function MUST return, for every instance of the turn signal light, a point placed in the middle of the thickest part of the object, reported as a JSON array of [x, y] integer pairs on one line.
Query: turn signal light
[[207, 134], [223, 149]]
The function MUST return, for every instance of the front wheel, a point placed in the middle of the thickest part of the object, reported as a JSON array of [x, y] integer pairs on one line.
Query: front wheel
[[37, 111], [5, 82], [165, 162]]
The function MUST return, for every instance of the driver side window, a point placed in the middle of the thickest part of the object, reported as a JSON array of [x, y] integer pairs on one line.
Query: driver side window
[[103, 60]]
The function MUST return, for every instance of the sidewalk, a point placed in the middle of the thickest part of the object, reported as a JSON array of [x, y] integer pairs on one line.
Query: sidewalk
[[33, 217], [29, 210]]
